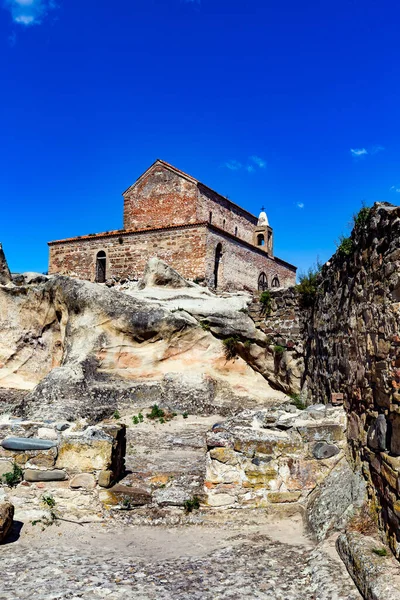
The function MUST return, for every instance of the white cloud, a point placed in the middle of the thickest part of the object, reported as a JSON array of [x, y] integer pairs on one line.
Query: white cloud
[[29, 12], [300, 204], [393, 188], [233, 165], [260, 162], [252, 163], [357, 152], [376, 149], [362, 152]]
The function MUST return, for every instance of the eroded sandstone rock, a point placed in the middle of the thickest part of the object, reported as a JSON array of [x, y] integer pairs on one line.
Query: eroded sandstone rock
[[6, 519], [5, 275]]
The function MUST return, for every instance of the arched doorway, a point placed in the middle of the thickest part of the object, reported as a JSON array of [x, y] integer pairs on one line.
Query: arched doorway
[[218, 256], [262, 282], [101, 265]]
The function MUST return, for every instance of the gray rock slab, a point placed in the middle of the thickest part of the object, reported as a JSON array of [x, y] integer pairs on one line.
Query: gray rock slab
[[377, 577], [34, 475], [323, 450], [333, 502], [377, 434], [15, 443]]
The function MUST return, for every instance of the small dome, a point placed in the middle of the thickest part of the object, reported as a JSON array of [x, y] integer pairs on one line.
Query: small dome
[[262, 219]]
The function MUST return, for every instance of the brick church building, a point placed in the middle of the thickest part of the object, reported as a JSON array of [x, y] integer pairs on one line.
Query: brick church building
[[198, 232]]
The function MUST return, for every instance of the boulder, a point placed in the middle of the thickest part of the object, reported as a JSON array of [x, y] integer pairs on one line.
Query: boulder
[[158, 274], [323, 450], [95, 449], [6, 519], [333, 502]]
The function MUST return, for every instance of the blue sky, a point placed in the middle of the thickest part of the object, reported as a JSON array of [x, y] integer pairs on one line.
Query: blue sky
[[292, 105]]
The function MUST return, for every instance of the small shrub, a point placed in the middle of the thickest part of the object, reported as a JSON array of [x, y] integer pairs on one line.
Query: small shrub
[[48, 500], [205, 326], [230, 347], [247, 344], [125, 503], [380, 551], [297, 401], [14, 477], [185, 415], [345, 246], [266, 301], [135, 420], [278, 349], [361, 219], [116, 415], [162, 420], [308, 285], [193, 504], [156, 413], [140, 417]]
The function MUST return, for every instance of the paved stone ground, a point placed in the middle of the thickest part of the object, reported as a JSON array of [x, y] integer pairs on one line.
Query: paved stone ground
[[160, 563]]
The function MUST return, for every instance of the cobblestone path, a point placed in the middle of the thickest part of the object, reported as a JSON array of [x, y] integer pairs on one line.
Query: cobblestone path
[[247, 566]]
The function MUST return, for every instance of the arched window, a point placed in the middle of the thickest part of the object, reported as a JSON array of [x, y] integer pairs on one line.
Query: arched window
[[101, 266], [218, 256], [260, 239], [262, 282], [223, 224], [236, 230], [210, 217], [275, 282]]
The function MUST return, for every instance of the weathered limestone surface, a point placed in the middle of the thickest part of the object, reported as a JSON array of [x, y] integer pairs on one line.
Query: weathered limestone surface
[[377, 577], [83, 350]]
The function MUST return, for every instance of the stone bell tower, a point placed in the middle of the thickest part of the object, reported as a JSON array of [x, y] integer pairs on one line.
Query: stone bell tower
[[263, 236]]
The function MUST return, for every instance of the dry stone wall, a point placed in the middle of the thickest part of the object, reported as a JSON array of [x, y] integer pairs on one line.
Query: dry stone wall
[[353, 349], [283, 324], [57, 460]]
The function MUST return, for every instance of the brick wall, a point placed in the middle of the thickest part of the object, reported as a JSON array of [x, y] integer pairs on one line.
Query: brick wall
[[190, 250], [184, 249], [224, 211], [241, 265], [163, 197], [160, 198]]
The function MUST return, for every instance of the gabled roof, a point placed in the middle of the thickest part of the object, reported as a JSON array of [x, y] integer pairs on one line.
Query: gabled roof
[[188, 178]]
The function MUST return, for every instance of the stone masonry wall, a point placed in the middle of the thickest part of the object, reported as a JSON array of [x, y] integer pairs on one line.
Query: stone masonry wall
[[161, 198], [164, 197], [225, 214], [283, 324], [353, 348], [241, 266], [184, 249], [189, 250]]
